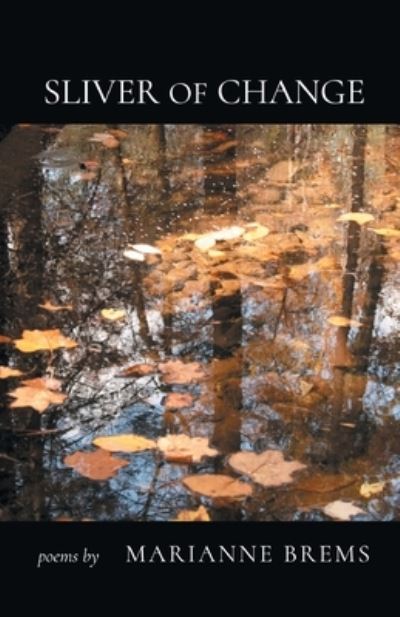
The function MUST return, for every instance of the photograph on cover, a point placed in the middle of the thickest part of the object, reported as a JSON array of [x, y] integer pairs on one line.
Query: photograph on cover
[[199, 322]]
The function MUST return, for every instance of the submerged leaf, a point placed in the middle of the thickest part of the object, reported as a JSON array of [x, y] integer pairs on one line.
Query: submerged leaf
[[113, 314], [178, 400], [357, 217], [268, 468], [35, 340], [185, 449], [98, 465], [342, 510], [344, 322], [137, 370], [200, 514], [5, 339], [367, 490], [217, 486], [178, 372], [6, 371], [124, 443]]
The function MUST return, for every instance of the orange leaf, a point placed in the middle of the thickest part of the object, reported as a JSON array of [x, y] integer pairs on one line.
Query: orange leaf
[[178, 400], [37, 398], [217, 486], [185, 449], [35, 340], [98, 465], [176, 371], [6, 371], [53, 308], [43, 382], [200, 514], [118, 133], [5, 339]]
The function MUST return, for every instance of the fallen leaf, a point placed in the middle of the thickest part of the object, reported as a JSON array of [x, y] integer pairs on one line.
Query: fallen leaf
[[98, 465], [105, 139], [6, 371], [91, 165], [124, 443], [178, 400], [133, 255], [367, 490], [388, 232], [344, 322], [325, 483], [205, 243], [342, 510], [282, 172], [217, 486], [357, 217], [182, 448], [36, 396], [146, 249], [137, 370], [178, 372], [5, 339], [113, 314], [118, 133], [53, 308], [268, 468], [200, 514], [35, 340], [256, 234], [43, 382], [228, 233]]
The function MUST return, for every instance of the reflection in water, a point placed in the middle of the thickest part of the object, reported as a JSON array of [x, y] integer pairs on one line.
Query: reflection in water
[[249, 306]]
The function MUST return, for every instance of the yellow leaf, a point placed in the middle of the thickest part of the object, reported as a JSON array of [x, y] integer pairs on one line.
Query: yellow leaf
[[200, 514], [6, 371], [256, 234], [367, 490], [124, 443], [214, 254], [113, 314], [217, 486], [388, 232], [344, 322], [357, 217], [35, 340], [48, 306]]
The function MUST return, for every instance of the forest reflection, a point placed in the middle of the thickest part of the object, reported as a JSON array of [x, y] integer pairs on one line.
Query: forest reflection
[[252, 308]]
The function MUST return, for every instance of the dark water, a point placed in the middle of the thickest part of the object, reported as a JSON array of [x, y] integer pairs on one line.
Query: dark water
[[252, 312]]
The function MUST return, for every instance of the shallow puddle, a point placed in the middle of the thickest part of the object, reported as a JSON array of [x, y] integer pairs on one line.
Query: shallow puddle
[[212, 292]]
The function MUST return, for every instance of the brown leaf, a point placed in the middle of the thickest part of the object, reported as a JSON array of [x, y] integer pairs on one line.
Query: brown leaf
[[342, 510], [217, 486], [182, 448], [282, 172], [124, 443], [118, 133], [43, 382], [178, 400], [5, 339], [49, 306], [98, 465], [225, 146], [6, 371], [200, 514], [35, 340], [268, 468], [178, 372], [137, 370], [91, 165], [325, 483]]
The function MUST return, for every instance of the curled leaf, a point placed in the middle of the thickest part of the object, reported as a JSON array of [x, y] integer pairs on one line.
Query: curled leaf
[[357, 217]]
